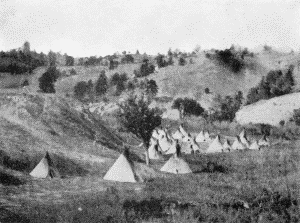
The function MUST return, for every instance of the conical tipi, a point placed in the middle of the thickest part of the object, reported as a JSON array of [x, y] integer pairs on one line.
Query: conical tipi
[[121, 171], [254, 146], [237, 145], [176, 164], [200, 137], [264, 141], [207, 136], [215, 146], [44, 168]]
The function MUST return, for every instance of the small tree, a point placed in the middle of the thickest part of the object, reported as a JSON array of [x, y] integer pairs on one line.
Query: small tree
[[69, 60], [181, 61], [152, 87], [47, 80], [101, 84], [188, 105], [139, 119]]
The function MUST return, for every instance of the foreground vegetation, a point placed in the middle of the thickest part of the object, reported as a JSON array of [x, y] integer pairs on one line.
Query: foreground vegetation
[[247, 186]]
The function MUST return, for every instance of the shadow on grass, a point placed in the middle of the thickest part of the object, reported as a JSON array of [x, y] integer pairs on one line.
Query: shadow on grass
[[9, 180]]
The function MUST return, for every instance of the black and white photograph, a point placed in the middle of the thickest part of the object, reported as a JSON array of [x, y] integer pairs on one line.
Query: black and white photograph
[[149, 111]]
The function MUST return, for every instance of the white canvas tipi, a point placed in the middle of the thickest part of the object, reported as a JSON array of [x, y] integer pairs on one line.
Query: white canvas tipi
[[254, 146], [215, 146], [237, 145], [200, 137], [120, 171], [44, 168], [177, 135], [264, 141], [207, 136], [176, 165]]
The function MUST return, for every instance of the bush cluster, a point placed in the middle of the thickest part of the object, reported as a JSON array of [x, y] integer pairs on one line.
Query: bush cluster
[[145, 69], [274, 84], [226, 107], [189, 106]]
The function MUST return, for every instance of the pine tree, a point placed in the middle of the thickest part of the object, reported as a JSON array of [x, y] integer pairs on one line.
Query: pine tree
[[101, 84]]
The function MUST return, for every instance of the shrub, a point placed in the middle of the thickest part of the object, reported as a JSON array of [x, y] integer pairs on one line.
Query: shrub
[[114, 79], [127, 59], [69, 60], [47, 80], [189, 106], [181, 61], [80, 89], [206, 90], [25, 83], [230, 59], [101, 84], [145, 69], [73, 72], [152, 87], [160, 60], [170, 60]]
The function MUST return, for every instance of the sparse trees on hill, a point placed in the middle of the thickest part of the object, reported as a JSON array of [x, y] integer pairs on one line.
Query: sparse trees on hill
[[113, 64], [101, 85], [136, 116], [275, 84], [47, 80]]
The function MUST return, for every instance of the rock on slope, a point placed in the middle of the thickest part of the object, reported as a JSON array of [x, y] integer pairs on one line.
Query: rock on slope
[[270, 111]]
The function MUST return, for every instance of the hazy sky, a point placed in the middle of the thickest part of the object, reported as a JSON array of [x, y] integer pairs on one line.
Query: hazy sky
[[88, 27]]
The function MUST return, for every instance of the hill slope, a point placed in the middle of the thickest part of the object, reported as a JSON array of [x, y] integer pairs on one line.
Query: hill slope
[[270, 111]]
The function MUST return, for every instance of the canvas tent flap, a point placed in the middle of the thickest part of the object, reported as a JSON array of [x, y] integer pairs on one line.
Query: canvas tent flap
[[41, 170]]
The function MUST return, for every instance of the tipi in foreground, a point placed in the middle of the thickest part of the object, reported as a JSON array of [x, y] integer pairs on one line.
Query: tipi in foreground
[[121, 170], [44, 168], [176, 164]]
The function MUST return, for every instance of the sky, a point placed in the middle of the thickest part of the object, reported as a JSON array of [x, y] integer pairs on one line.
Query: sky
[[102, 27]]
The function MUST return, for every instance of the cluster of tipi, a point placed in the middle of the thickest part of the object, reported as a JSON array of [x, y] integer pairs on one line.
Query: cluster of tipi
[[163, 143]]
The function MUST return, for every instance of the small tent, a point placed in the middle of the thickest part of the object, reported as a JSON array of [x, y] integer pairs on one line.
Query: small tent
[[176, 164], [243, 134], [264, 141], [226, 146], [254, 145], [155, 134], [121, 171], [200, 137], [215, 146], [237, 145], [165, 143], [45, 168]]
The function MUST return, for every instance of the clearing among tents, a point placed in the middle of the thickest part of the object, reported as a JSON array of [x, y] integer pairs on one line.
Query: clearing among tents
[[121, 170], [45, 168]]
